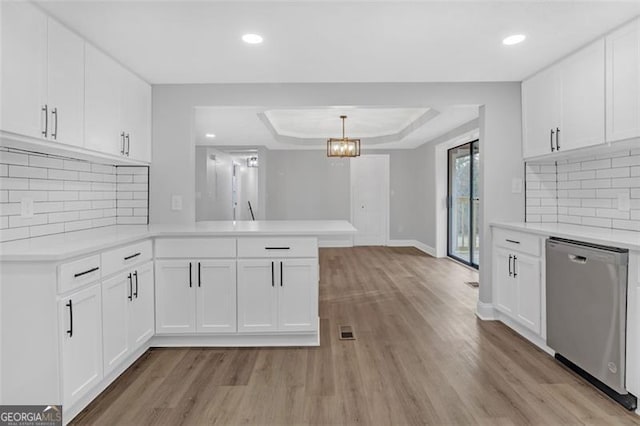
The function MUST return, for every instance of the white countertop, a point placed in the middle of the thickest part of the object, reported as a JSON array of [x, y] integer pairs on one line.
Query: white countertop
[[72, 244], [604, 236]]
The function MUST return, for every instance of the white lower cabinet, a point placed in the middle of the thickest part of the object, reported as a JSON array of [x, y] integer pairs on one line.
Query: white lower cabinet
[[277, 295], [195, 296], [518, 279], [81, 342], [127, 314]]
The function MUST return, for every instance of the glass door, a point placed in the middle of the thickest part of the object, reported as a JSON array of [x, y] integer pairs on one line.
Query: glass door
[[463, 204]]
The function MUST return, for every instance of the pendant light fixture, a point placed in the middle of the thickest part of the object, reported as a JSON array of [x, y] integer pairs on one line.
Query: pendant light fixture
[[343, 147]]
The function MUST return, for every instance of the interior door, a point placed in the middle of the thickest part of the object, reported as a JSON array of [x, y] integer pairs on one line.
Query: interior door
[[216, 299], [370, 199]]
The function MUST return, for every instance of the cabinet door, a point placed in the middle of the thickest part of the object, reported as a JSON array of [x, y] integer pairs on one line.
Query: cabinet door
[[103, 84], [582, 98], [117, 296], [540, 111], [298, 295], [505, 285], [257, 296], [65, 84], [141, 310], [175, 297], [528, 294], [81, 327], [623, 83], [23, 77], [136, 117], [216, 296]]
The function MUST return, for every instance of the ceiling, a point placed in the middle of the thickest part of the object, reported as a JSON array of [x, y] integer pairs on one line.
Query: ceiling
[[309, 128], [338, 41]]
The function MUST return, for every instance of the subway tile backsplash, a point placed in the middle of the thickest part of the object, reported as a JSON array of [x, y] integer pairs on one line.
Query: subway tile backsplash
[[586, 191], [68, 194]]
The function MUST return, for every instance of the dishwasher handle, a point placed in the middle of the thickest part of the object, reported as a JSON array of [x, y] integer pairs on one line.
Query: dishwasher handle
[[577, 259]]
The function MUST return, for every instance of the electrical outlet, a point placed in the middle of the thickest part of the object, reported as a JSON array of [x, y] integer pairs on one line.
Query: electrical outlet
[[26, 207], [176, 202], [624, 203]]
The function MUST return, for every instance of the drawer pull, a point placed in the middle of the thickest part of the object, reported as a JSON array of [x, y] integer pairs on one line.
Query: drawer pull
[[277, 248], [79, 274], [132, 256], [70, 306], [512, 241]]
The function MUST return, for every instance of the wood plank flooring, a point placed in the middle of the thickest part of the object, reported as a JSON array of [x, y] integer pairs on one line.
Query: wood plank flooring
[[420, 357]]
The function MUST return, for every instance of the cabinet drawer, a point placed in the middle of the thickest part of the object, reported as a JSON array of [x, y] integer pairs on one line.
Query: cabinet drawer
[[195, 247], [118, 259], [78, 273], [517, 241], [271, 247]]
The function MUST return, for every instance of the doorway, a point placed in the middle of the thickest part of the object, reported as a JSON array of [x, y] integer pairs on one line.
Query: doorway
[[370, 199], [463, 241]]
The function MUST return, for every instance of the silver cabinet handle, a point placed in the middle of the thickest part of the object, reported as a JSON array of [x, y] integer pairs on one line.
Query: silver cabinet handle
[[54, 115], [45, 109], [551, 140]]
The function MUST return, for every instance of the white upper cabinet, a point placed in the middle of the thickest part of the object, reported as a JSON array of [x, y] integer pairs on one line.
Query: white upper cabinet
[[102, 95], [623, 82], [65, 84], [564, 106], [582, 99], [59, 88], [136, 117], [541, 110], [118, 108], [24, 64]]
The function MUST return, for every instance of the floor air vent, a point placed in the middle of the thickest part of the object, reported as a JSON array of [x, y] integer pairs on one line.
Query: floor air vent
[[346, 332], [474, 284]]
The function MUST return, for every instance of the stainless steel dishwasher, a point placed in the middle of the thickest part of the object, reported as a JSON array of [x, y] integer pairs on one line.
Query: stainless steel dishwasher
[[587, 312]]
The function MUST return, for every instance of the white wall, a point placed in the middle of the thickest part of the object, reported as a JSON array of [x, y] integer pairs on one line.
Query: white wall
[[500, 137]]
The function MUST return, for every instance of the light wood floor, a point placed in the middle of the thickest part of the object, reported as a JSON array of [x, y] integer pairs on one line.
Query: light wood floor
[[421, 357]]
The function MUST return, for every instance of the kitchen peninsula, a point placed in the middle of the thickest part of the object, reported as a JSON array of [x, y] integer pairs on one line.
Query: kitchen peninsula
[[98, 299]]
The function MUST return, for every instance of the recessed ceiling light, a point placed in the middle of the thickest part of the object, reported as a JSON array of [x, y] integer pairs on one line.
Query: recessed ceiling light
[[210, 135], [252, 38], [514, 39]]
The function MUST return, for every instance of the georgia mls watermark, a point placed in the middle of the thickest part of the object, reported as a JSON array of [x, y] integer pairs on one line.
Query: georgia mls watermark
[[30, 415]]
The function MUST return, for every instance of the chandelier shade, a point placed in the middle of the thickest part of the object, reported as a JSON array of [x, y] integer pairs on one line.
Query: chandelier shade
[[343, 147]]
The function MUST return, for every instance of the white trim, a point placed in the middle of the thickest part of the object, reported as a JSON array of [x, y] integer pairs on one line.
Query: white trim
[[413, 243], [237, 340], [386, 192], [485, 311], [347, 242]]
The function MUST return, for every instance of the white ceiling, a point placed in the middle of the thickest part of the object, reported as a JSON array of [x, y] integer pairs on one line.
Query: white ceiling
[[338, 41], [308, 128]]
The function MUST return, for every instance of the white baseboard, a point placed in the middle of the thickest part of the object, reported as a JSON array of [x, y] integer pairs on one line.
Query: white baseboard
[[413, 243], [236, 340], [485, 311], [327, 243]]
